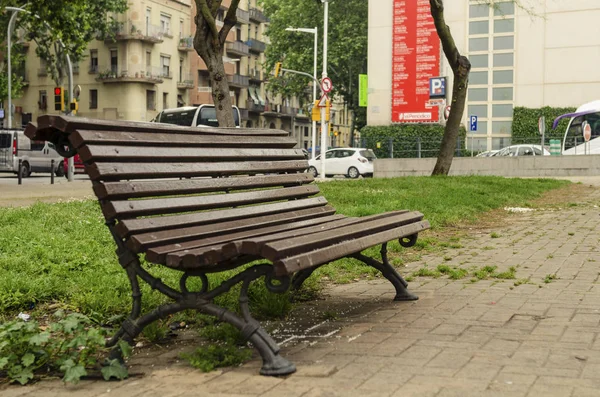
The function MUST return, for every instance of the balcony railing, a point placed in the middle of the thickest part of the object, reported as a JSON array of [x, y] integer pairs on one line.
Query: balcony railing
[[254, 107], [93, 69], [238, 48], [256, 45], [186, 44], [238, 80], [150, 75], [243, 16], [185, 82], [254, 74], [257, 15], [137, 31]]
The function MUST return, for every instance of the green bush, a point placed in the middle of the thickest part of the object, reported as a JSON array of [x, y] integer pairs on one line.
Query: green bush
[[405, 139], [525, 123]]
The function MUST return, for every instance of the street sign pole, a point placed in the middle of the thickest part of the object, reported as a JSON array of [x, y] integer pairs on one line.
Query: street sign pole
[[324, 123], [542, 130]]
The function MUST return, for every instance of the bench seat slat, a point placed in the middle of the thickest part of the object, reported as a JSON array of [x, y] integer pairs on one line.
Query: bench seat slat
[[133, 226], [330, 253], [293, 246], [135, 208], [69, 124], [171, 240], [177, 251], [120, 171], [250, 245], [137, 189], [120, 138], [155, 154]]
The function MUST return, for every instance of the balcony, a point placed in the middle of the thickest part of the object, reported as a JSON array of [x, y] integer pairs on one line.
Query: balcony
[[93, 69], [153, 75], [244, 113], [257, 15], [142, 31], [238, 80], [254, 107], [256, 45], [186, 44], [22, 73], [238, 48], [186, 82], [243, 16], [288, 111], [254, 75]]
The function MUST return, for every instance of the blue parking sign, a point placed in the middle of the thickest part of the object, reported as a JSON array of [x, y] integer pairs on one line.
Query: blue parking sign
[[473, 122]]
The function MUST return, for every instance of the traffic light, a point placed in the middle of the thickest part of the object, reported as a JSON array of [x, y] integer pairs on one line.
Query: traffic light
[[74, 107], [277, 69], [59, 99]]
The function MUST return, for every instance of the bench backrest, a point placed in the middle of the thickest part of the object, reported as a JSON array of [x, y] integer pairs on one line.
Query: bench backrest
[[153, 178]]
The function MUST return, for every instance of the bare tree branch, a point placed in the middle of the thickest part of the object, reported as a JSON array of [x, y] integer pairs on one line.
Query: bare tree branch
[[230, 21], [204, 9]]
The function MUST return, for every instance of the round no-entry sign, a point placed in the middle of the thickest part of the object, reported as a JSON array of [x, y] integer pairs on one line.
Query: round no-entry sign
[[446, 112], [326, 85], [587, 131]]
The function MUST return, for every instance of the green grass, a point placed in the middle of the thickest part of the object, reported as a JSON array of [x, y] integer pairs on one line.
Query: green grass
[[62, 254]]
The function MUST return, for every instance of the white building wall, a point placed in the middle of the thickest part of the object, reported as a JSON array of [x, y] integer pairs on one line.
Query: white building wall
[[556, 56]]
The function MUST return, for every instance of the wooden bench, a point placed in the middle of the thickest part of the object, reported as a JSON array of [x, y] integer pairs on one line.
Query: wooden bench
[[204, 200]]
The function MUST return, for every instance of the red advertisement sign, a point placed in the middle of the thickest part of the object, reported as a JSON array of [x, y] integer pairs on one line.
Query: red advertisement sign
[[415, 59]]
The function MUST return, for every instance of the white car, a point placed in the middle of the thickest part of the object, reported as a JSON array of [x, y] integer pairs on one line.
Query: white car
[[522, 150], [351, 162]]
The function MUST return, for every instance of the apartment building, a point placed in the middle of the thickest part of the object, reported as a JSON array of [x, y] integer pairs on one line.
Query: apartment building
[[151, 65]]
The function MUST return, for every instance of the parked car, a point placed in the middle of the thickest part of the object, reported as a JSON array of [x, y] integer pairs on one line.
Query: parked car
[[350, 162], [78, 167], [488, 153], [522, 150], [35, 156]]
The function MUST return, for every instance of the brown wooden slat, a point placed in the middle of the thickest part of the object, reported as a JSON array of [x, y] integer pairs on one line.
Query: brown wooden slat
[[69, 124], [161, 206], [95, 153], [293, 246], [137, 189], [120, 171], [201, 255], [254, 246], [171, 240], [133, 226], [330, 253], [30, 131], [120, 138]]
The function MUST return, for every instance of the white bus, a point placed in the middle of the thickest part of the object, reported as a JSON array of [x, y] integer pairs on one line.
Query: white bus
[[573, 142], [194, 116]]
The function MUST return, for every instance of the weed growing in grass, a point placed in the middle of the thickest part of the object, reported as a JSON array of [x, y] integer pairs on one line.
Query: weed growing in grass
[[521, 281], [426, 272], [488, 248], [329, 315], [571, 234], [447, 258], [549, 256], [507, 275], [453, 273], [550, 277], [495, 235], [156, 331], [213, 356], [69, 345]]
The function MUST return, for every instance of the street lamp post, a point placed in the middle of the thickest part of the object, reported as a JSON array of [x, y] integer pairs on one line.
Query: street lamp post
[[11, 26], [314, 123], [324, 123]]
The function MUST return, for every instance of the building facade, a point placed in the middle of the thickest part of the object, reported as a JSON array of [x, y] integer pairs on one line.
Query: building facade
[[544, 55], [151, 65]]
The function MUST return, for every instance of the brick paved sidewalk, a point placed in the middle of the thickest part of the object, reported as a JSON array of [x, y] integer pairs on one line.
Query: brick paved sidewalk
[[495, 337]]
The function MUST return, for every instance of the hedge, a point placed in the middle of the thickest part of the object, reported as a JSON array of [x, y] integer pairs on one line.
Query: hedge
[[525, 123], [405, 139]]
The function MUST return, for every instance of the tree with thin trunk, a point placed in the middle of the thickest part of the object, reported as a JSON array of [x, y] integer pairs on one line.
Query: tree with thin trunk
[[209, 43], [460, 66]]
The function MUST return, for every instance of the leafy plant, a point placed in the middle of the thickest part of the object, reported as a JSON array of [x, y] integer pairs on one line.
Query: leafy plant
[[70, 346], [209, 357], [550, 277], [525, 123]]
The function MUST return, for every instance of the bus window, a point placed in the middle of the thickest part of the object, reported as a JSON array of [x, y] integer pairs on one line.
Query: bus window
[[208, 116], [184, 118]]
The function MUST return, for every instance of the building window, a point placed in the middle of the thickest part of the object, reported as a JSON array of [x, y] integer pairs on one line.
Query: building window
[[43, 100], [114, 60], [305, 131], [165, 100], [165, 24], [150, 100], [93, 99], [164, 66], [94, 61]]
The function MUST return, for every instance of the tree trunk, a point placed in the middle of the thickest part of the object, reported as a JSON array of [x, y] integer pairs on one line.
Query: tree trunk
[[209, 43], [460, 67]]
